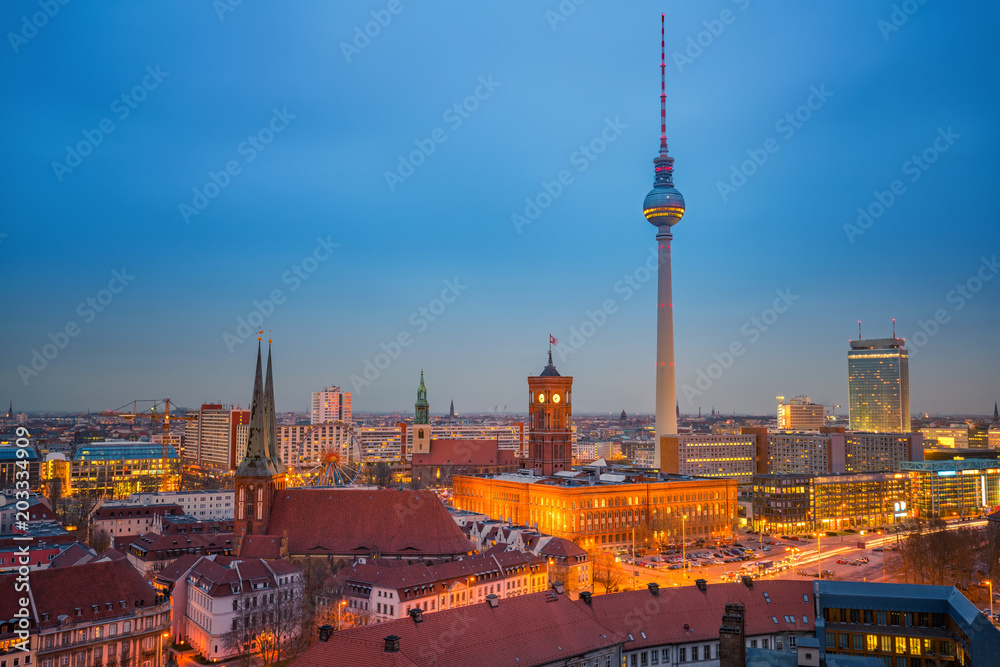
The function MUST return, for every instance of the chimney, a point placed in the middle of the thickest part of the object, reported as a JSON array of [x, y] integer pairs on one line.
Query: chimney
[[654, 588], [748, 581], [702, 584], [492, 600], [392, 644], [732, 637], [585, 596], [417, 614], [558, 588], [324, 632]]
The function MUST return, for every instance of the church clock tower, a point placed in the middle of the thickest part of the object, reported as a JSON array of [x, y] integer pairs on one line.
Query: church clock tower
[[421, 438], [550, 441]]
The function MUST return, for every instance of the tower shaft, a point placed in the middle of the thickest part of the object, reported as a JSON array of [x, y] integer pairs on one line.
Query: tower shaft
[[666, 382]]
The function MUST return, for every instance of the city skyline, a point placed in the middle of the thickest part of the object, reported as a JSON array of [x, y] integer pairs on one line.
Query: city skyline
[[775, 258]]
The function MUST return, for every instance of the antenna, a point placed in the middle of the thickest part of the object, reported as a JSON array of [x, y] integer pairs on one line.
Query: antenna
[[859, 329], [663, 85], [894, 327]]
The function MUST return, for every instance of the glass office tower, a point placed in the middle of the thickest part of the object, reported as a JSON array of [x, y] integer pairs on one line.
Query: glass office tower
[[878, 382]]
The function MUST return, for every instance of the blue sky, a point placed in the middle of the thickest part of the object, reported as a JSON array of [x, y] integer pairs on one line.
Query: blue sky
[[325, 113]]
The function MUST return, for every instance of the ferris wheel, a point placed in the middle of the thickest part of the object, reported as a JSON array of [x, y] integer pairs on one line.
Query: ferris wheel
[[327, 461]]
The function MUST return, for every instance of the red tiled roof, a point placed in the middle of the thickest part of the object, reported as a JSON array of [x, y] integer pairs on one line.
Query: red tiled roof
[[449, 452], [158, 547], [687, 614], [136, 511], [176, 570], [88, 588], [533, 629], [76, 554], [221, 575], [361, 521], [261, 546], [560, 547]]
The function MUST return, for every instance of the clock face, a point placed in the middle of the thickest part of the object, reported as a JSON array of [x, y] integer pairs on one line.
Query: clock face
[[555, 398], [541, 398]]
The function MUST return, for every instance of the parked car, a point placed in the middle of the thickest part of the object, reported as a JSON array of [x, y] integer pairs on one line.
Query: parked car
[[767, 548]]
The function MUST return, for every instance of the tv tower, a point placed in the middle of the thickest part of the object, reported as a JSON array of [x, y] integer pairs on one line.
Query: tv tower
[[664, 208]]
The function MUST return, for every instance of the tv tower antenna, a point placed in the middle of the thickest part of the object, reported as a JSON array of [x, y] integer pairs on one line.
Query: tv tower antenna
[[663, 85]]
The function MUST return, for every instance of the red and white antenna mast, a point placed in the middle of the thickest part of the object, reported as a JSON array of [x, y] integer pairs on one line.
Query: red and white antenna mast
[[663, 85]]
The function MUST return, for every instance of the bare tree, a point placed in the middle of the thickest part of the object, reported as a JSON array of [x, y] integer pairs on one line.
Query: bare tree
[[379, 474], [268, 626], [55, 493], [607, 572], [99, 540]]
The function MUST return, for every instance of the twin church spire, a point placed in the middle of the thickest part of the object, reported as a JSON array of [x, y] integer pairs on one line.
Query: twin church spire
[[261, 458]]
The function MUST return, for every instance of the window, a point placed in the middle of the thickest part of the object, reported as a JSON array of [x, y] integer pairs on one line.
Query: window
[[694, 653], [791, 642], [859, 642], [844, 640], [763, 643], [885, 643], [635, 660], [654, 657], [900, 644], [881, 618], [753, 643], [666, 656], [871, 642], [779, 643], [831, 640], [682, 654]]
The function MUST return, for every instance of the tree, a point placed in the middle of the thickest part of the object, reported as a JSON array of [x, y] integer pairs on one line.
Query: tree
[[269, 626], [607, 572], [99, 540], [379, 474], [55, 493]]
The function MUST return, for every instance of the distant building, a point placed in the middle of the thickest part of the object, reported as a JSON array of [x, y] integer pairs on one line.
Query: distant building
[[878, 385], [459, 457], [806, 452], [330, 405], [151, 553], [119, 519], [803, 503], [20, 459], [800, 413], [598, 507], [38, 510], [726, 456], [872, 452], [206, 504], [212, 439], [952, 489], [115, 469], [952, 436]]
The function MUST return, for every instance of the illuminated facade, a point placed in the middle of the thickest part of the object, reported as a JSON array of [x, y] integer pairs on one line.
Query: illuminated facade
[[873, 452], [212, 440], [805, 503], [878, 372], [602, 514], [550, 410], [954, 437], [330, 405], [722, 455], [800, 414], [949, 489], [116, 469], [805, 452]]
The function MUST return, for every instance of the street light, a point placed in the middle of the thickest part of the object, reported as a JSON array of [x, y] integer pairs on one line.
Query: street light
[[343, 603], [989, 582], [819, 552], [684, 544]]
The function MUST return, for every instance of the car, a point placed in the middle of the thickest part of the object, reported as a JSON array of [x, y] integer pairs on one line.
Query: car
[[863, 560], [771, 542], [767, 548], [841, 561], [878, 549]]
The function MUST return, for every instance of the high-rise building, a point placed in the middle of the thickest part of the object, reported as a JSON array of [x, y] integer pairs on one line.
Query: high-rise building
[[330, 405], [664, 208], [800, 413], [806, 452], [878, 372], [550, 439], [872, 452], [724, 455], [212, 439]]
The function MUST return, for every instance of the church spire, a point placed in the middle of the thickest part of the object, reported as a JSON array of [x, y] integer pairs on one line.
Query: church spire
[[996, 413], [270, 421], [421, 408], [257, 462]]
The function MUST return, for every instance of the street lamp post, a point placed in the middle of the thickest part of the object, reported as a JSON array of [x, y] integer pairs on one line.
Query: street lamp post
[[684, 544], [819, 553], [340, 606], [989, 582]]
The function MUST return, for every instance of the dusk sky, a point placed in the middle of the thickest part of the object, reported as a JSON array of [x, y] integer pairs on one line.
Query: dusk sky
[[358, 194]]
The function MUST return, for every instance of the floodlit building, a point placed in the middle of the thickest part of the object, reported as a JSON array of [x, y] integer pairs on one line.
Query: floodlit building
[[116, 469], [727, 456], [805, 452], [800, 413], [956, 437], [212, 439], [330, 405], [204, 505], [950, 489], [878, 384], [873, 452]]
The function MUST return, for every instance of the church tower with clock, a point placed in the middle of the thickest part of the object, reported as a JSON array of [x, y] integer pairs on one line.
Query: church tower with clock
[[550, 438]]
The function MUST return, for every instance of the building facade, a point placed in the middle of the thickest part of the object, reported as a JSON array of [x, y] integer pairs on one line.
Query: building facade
[[601, 510], [955, 437], [878, 384], [330, 405], [726, 456], [952, 489], [805, 452], [206, 505], [212, 439], [550, 415], [873, 452], [800, 413], [116, 469]]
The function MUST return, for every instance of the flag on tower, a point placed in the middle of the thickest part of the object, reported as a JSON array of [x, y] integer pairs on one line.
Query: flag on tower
[[553, 340]]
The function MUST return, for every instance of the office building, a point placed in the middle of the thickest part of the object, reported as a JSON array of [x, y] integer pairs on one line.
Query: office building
[[800, 413], [903, 624], [717, 455], [205, 505], [952, 489], [872, 452], [955, 436], [878, 372], [805, 452], [330, 405], [212, 439], [115, 469]]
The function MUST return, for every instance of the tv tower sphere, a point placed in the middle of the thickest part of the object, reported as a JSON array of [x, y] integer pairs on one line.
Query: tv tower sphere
[[664, 205]]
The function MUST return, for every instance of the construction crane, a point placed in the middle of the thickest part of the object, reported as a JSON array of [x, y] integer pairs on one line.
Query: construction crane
[[153, 416]]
